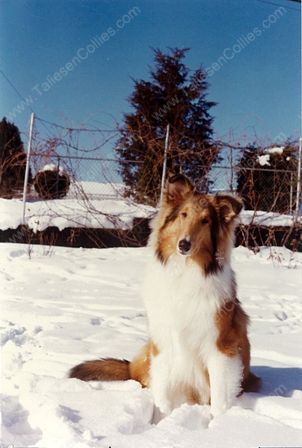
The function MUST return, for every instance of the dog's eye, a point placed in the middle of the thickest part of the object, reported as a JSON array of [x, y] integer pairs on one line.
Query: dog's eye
[[183, 214], [204, 221]]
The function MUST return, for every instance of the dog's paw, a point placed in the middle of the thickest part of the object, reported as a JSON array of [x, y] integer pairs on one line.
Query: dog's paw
[[164, 407], [219, 409]]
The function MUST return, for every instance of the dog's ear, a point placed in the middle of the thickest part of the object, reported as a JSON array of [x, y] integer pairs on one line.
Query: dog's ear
[[229, 207], [178, 187]]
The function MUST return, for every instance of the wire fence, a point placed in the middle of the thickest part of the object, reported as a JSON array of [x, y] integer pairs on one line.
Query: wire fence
[[100, 177], [88, 188]]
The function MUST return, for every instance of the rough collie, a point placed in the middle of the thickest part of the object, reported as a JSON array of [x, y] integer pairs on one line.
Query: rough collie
[[198, 350]]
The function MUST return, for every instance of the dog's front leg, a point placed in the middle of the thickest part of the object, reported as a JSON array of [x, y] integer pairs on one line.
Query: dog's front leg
[[160, 383], [225, 374]]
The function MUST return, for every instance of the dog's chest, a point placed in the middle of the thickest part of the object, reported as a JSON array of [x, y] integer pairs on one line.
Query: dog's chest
[[181, 302]]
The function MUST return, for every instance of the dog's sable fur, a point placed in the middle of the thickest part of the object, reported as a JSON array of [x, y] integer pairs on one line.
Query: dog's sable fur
[[199, 350]]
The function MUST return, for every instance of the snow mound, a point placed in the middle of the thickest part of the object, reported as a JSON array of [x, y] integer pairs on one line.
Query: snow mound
[[53, 167], [275, 150], [264, 160]]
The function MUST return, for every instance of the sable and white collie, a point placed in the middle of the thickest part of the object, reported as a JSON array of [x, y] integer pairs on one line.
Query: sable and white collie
[[198, 350]]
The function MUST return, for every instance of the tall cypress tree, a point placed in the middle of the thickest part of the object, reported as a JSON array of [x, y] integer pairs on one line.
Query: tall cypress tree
[[12, 160], [176, 96]]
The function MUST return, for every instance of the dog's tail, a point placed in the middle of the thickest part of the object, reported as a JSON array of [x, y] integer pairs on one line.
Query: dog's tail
[[252, 383], [117, 369], [102, 370]]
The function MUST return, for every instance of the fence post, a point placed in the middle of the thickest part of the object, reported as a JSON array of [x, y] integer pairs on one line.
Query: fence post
[[58, 175], [299, 179], [31, 127], [291, 193], [163, 177], [232, 174]]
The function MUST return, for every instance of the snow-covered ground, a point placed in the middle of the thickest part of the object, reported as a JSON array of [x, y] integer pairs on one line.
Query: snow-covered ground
[[88, 204], [99, 205], [61, 306], [62, 213], [107, 212]]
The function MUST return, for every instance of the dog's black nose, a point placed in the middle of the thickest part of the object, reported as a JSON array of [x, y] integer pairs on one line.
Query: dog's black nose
[[184, 246]]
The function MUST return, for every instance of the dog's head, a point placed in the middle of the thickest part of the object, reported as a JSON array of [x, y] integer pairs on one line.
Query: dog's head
[[196, 225]]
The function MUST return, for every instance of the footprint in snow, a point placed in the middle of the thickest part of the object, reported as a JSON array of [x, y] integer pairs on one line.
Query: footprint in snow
[[15, 421], [95, 321], [6, 276], [70, 414], [17, 253], [15, 335], [281, 315]]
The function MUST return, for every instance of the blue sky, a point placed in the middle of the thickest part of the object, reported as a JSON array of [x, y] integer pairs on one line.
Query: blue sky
[[255, 46]]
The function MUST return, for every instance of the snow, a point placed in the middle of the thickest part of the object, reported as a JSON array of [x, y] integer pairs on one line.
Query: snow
[[275, 150], [61, 306], [53, 167], [88, 204], [269, 219], [63, 213], [264, 160], [99, 206]]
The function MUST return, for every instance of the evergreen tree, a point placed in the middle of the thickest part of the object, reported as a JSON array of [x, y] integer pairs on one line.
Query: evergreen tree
[[12, 160], [176, 97], [267, 178]]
